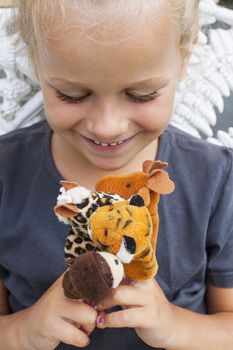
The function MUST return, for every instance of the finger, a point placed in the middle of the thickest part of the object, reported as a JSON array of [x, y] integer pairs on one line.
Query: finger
[[88, 329], [80, 313], [69, 334], [125, 296], [131, 318]]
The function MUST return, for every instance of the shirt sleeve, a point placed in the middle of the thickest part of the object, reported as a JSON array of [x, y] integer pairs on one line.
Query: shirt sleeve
[[220, 234]]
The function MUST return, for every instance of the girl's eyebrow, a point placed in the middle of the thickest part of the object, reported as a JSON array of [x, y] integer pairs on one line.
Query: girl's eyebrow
[[65, 81], [158, 82]]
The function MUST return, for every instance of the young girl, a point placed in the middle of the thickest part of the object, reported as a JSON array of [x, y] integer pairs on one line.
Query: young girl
[[109, 71]]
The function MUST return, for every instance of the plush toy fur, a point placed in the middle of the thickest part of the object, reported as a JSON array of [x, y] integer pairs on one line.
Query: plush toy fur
[[125, 229], [149, 183], [125, 225], [104, 272], [74, 207]]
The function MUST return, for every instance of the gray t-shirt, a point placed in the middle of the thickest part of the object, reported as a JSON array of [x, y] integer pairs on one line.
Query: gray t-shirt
[[195, 241]]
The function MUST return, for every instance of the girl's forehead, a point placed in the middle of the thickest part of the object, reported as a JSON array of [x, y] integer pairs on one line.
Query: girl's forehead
[[122, 49], [92, 64], [76, 38], [148, 43], [130, 23]]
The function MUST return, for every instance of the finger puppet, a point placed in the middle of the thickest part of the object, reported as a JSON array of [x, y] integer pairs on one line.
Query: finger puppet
[[120, 217], [125, 230], [149, 183], [74, 207], [92, 276]]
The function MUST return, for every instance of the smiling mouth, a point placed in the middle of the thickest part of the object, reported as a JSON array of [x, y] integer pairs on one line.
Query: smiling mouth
[[106, 145]]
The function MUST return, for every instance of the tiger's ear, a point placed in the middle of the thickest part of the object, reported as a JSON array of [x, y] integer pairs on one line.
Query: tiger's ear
[[68, 185], [159, 181], [66, 210]]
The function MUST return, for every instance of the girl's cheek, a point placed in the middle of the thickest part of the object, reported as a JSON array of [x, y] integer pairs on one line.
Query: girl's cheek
[[154, 116]]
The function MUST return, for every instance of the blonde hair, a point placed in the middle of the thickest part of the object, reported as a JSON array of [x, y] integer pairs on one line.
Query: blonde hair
[[36, 15]]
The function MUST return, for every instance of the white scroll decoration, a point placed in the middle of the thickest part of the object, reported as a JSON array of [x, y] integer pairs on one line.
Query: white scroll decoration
[[209, 79], [21, 102]]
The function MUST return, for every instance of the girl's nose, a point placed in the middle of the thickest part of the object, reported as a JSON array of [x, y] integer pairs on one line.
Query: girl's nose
[[107, 122]]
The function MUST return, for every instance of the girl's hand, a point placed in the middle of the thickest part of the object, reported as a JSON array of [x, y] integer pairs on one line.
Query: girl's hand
[[54, 319], [145, 308]]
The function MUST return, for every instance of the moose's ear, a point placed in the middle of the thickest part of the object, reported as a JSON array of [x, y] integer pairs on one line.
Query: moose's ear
[[160, 182], [68, 185], [66, 210]]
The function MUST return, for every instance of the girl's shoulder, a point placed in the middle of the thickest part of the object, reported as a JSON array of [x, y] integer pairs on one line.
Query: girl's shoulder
[[199, 152], [196, 165], [22, 140], [22, 149], [23, 134]]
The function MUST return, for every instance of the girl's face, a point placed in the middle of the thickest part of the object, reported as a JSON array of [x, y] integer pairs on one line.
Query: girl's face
[[107, 101]]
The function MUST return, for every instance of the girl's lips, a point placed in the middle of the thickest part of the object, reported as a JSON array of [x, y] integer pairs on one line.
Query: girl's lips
[[110, 148]]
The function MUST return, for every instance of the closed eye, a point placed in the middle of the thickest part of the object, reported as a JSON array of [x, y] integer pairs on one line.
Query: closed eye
[[72, 99], [79, 99], [142, 98]]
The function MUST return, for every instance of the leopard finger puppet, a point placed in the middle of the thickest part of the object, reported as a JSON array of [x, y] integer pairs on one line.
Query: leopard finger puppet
[[75, 205]]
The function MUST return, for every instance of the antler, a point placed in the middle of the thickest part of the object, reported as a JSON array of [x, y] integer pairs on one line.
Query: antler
[[150, 165]]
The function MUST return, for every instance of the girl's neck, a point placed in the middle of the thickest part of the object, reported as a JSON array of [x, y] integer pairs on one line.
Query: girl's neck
[[75, 167]]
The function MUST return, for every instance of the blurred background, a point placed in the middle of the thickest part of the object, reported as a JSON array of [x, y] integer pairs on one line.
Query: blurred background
[[227, 3]]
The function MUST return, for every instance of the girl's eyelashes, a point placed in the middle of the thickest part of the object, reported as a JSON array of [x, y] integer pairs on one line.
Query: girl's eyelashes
[[143, 98], [79, 99], [72, 99]]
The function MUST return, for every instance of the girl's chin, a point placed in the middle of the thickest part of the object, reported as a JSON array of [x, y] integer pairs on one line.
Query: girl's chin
[[109, 164]]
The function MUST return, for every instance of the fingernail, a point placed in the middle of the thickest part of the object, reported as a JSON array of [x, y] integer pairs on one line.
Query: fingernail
[[100, 320]]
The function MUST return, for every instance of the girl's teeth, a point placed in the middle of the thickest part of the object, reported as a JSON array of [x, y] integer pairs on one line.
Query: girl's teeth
[[108, 144]]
